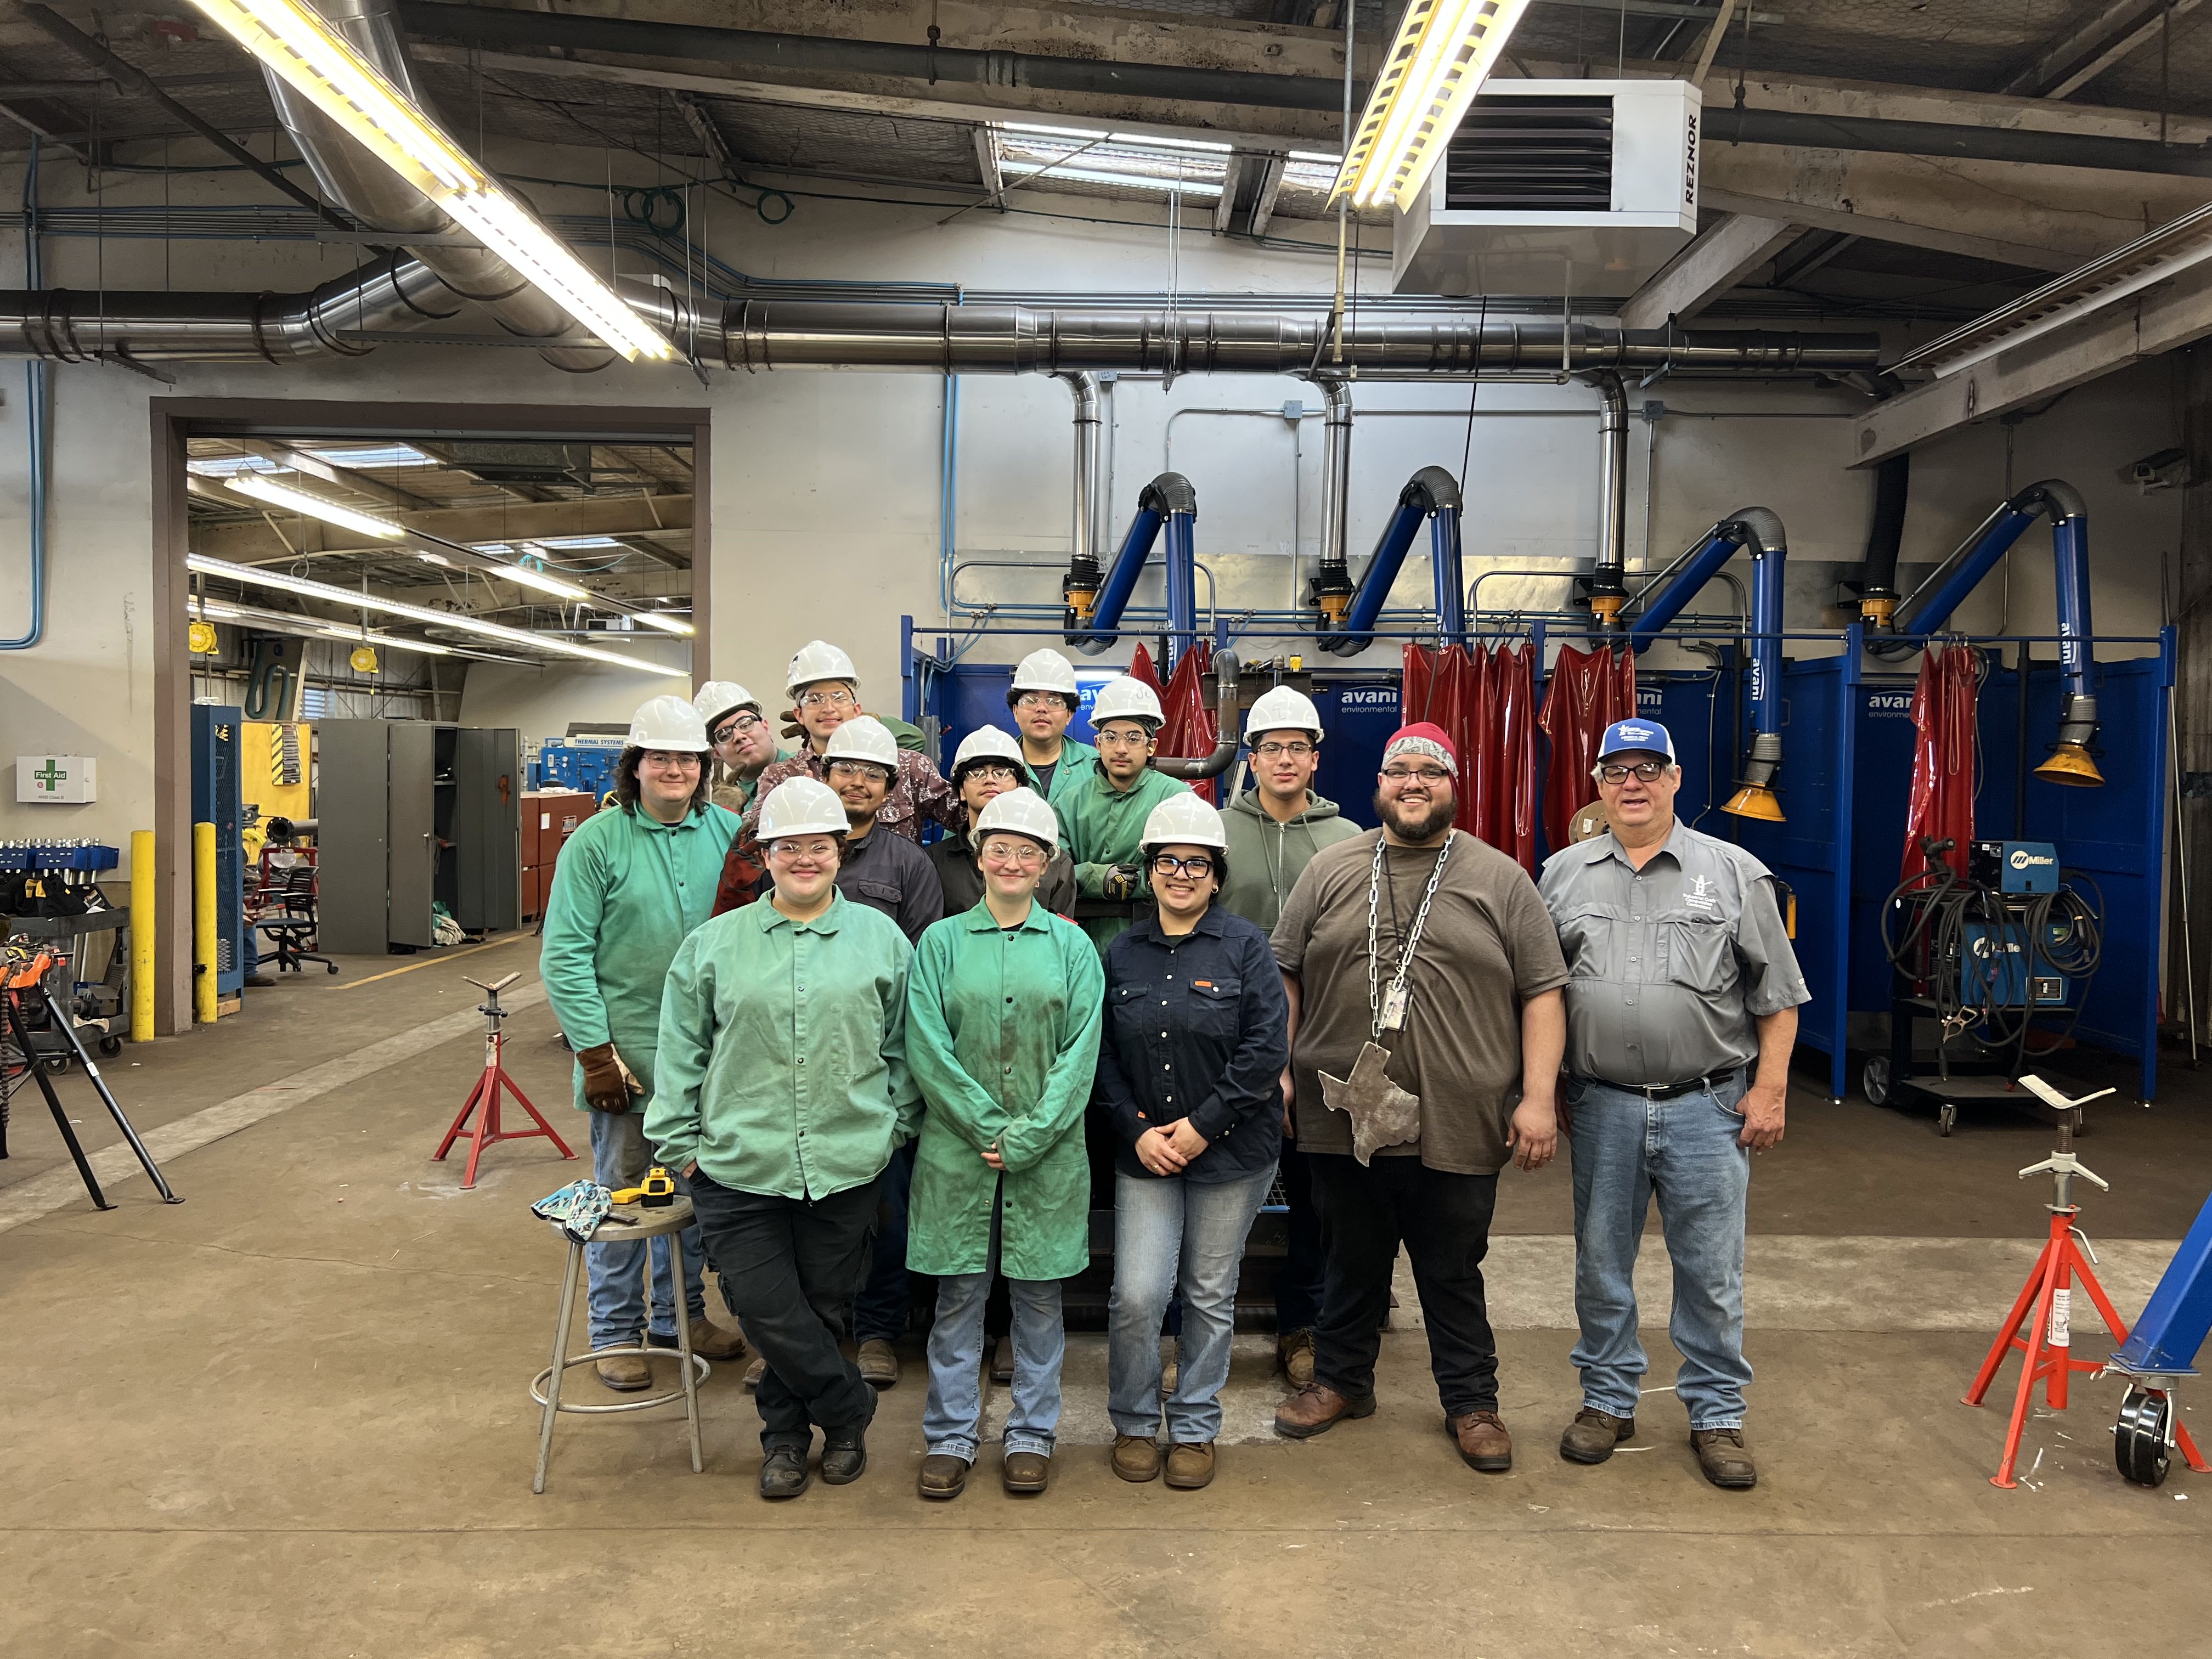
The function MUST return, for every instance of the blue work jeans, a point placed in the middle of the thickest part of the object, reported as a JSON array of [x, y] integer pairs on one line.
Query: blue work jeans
[[952, 1416], [616, 1272], [1170, 1235], [879, 1313], [1626, 1150]]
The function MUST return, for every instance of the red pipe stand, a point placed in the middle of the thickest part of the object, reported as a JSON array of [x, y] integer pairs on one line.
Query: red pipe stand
[[487, 1092]]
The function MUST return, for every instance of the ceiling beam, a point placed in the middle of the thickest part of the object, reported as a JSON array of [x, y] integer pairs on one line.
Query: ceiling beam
[[245, 538], [2145, 324], [1263, 199], [284, 454], [2078, 57], [1705, 268], [1881, 228]]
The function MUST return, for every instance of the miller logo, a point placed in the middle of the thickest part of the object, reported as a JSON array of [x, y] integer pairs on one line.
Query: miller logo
[[2023, 859]]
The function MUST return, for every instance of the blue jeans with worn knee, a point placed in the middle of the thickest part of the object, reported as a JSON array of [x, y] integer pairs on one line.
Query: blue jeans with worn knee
[[1170, 1235], [616, 1272], [1627, 1150]]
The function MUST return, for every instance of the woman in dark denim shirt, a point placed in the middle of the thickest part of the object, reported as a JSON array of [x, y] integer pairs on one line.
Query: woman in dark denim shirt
[[1190, 1077]]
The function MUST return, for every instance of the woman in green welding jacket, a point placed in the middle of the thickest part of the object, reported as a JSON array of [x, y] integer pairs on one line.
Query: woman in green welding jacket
[[632, 883], [1004, 1011]]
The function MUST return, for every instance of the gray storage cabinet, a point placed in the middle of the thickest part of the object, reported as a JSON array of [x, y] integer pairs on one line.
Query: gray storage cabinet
[[413, 812]]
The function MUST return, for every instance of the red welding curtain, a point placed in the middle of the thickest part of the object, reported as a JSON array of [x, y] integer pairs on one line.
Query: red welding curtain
[[1484, 700], [1588, 691], [1942, 803], [1192, 730]]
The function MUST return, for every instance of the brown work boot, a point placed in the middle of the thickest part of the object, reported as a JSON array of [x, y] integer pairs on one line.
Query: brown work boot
[[1294, 1357], [1136, 1457], [1190, 1464], [625, 1372], [708, 1341], [879, 1365], [1482, 1440], [1002, 1360], [1171, 1367], [1592, 1435], [1316, 1409], [756, 1370], [944, 1475], [1024, 1472], [1720, 1454]]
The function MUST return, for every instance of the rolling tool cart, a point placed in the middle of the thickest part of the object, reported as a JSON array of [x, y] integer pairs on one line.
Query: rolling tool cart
[[1983, 956]]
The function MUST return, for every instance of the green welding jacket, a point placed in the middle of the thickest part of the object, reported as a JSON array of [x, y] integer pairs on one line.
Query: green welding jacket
[[1069, 773], [1101, 826], [783, 1065], [1002, 1030], [626, 892]]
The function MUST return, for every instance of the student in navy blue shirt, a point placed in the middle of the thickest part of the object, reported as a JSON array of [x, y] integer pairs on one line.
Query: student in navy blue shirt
[[1189, 1078]]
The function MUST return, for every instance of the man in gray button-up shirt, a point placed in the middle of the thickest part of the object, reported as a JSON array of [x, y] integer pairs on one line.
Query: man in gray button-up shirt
[[1682, 1014]]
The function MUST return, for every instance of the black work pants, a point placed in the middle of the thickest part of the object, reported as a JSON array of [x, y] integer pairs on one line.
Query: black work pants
[[1444, 1221], [790, 1268], [1300, 1275]]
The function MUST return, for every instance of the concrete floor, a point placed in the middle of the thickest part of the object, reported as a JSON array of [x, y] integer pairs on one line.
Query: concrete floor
[[288, 1416]]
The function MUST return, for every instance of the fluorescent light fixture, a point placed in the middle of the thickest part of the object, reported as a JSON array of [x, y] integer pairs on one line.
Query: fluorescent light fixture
[[389, 642], [572, 543], [543, 581], [1444, 51], [214, 612], [663, 621], [226, 466], [296, 42], [376, 455], [299, 501], [1123, 161], [433, 558], [255, 576]]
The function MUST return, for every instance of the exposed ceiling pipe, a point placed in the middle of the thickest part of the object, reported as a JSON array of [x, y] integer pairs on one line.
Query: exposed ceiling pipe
[[763, 336], [1230, 720], [1330, 591], [1079, 587], [378, 196], [812, 59], [1431, 495], [1607, 591], [1893, 482]]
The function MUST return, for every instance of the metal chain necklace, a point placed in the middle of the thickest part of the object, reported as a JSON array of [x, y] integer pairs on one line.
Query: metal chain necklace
[[1407, 946]]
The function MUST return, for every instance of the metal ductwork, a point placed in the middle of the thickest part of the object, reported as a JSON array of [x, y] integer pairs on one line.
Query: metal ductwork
[[1760, 529], [2070, 761], [1430, 495], [379, 198], [1228, 717], [1607, 591], [1330, 590], [1079, 589], [65, 326], [1168, 502]]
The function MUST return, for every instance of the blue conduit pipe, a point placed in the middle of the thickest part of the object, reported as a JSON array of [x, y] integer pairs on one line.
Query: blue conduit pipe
[[1431, 493], [1759, 530], [35, 387], [2070, 762], [1168, 499]]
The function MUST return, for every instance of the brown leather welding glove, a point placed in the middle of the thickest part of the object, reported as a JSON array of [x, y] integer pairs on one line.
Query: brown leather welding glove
[[792, 729], [606, 1082]]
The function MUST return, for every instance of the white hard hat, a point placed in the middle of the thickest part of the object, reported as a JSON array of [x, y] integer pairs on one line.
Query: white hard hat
[[1186, 819], [1125, 699], [1045, 670], [719, 697], [1283, 710], [818, 660], [864, 738], [984, 742], [1024, 812], [668, 723], [801, 807]]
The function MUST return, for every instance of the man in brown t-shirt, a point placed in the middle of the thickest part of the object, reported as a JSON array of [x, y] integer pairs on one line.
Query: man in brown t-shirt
[[1474, 1026]]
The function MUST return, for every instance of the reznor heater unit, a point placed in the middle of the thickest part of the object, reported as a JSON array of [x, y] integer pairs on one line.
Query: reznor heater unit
[[1557, 187]]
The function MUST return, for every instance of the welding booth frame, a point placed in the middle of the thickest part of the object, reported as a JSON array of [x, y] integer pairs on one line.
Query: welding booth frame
[[1845, 784]]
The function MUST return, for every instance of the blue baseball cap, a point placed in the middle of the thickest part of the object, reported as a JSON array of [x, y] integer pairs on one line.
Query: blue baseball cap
[[1624, 736]]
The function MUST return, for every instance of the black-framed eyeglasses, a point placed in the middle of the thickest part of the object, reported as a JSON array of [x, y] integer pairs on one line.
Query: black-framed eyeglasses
[[1198, 866], [1649, 771], [736, 728], [1402, 775]]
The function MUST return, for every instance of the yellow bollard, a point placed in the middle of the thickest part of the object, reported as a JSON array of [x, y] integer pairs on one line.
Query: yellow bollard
[[203, 957], [142, 935]]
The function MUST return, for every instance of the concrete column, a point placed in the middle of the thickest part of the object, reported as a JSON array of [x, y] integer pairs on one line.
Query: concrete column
[[2192, 735]]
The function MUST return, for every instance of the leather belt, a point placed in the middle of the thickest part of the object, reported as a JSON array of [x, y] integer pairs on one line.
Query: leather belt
[[1674, 1090]]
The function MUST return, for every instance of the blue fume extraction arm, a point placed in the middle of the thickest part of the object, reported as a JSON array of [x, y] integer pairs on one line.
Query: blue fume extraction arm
[[1095, 603], [1431, 494], [1759, 530], [1932, 604]]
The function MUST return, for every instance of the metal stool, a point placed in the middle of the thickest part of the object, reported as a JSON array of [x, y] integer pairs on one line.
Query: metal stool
[[545, 1387]]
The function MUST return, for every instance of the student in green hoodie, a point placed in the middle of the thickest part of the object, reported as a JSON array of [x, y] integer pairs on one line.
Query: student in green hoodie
[[1103, 821], [1274, 829]]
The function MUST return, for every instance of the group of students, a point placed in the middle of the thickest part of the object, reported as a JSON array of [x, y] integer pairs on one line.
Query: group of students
[[864, 1057]]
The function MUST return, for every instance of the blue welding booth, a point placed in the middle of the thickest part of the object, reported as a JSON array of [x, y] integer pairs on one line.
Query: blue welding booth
[[216, 799]]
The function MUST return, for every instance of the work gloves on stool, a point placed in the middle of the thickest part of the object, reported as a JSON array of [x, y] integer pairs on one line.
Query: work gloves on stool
[[608, 1083]]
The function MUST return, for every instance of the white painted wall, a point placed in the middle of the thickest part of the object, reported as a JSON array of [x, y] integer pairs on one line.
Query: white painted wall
[[826, 487], [540, 703]]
